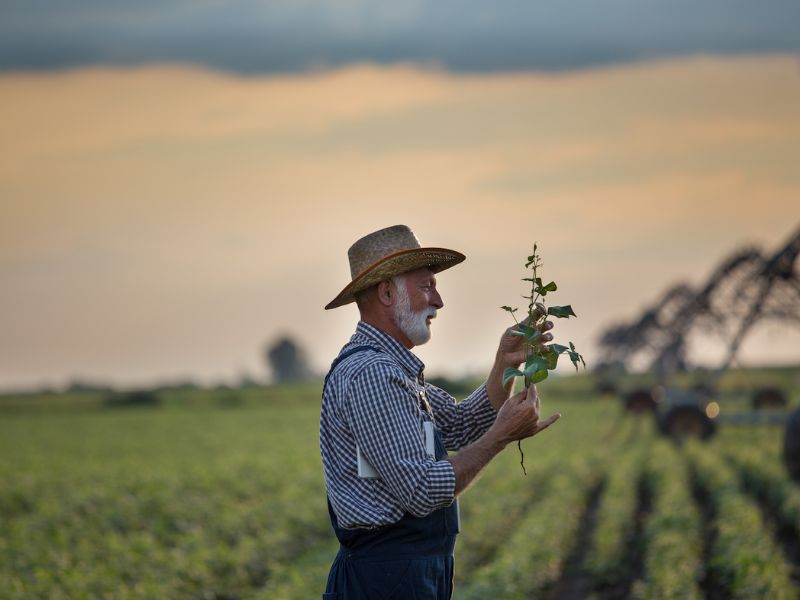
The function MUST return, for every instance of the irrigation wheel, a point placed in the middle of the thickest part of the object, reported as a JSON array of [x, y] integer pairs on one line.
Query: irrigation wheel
[[639, 401], [687, 421], [769, 398], [604, 386]]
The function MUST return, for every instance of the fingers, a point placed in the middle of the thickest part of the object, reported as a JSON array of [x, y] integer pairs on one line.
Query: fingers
[[533, 396], [542, 425], [537, 314], [546, 337], [516, 340], [518, 397], [546, 326]]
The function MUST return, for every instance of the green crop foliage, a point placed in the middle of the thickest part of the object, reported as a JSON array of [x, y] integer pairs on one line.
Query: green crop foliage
[[533, 556], [200, 497], [767, 480], [672, 542], [614, 528], [744, 557]]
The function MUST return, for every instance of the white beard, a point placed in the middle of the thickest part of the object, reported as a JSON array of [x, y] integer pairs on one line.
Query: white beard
[[412, 324]]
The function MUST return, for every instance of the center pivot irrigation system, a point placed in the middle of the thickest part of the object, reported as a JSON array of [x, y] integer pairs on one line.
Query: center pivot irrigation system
[[746, 290]]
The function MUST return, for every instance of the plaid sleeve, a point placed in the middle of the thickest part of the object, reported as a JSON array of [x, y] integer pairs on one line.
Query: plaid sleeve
[[387, 425], [463, 423]]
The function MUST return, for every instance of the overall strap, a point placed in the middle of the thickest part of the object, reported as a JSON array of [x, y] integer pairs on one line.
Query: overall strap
[[345, 354]]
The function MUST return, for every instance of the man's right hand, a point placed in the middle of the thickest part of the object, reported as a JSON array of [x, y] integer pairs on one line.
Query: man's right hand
[[518, 418]]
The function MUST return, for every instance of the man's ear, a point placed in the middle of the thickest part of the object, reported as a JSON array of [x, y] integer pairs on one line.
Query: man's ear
[[386, 293]]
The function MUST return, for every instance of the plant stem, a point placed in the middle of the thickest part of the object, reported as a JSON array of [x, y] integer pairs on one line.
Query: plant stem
[[530, 347]]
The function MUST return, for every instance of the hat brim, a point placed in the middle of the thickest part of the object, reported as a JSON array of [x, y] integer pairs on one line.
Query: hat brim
[[436, 259]]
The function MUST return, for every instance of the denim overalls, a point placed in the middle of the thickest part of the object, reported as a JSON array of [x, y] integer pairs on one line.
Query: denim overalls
[[408, 560]]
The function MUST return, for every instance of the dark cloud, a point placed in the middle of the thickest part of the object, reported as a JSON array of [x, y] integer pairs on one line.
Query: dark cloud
[[248, 36]]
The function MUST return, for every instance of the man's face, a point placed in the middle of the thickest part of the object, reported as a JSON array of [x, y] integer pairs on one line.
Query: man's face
[[417, 303]]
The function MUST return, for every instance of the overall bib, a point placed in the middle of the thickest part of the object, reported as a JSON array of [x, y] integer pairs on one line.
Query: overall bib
[[408, 560]]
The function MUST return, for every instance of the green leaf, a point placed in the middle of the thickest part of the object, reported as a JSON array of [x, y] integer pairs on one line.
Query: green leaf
[[535, 363], [575, 357], [552, 360], [510, 373], [543, 289], [541, 308], [572, 346], [509, 309], [516, 332], [558, 348], [529, 332], [562, 312], [540, 376]]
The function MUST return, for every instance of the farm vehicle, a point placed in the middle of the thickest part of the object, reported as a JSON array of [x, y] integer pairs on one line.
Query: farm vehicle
[[746, 290]]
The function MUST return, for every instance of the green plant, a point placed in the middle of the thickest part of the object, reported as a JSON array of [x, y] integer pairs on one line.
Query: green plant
[[540, 359]]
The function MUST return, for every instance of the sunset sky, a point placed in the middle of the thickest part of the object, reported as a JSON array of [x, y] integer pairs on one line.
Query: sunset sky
[[164, 216]]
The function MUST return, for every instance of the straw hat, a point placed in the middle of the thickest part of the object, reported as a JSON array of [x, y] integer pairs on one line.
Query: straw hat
[[388, 252]]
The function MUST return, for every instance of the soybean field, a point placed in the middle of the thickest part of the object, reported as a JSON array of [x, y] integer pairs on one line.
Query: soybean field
[[219, 495]]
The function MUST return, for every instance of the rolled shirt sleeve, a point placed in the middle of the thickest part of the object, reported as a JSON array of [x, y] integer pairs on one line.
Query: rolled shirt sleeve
[[463, 423], [386, 423]]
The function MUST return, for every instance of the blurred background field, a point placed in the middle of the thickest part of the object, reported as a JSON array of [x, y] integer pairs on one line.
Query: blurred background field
[[219, 494]]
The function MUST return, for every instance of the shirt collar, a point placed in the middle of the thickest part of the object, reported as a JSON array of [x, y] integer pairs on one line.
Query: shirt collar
[[382, 340]]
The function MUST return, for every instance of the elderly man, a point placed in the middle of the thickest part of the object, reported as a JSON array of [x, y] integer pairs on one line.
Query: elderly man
[[384, 431]]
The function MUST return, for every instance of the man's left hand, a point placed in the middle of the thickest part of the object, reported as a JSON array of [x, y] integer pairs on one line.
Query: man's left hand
[[511, 353]]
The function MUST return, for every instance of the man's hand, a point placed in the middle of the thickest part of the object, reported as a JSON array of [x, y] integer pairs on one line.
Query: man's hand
[[519, 418], [510, 353]]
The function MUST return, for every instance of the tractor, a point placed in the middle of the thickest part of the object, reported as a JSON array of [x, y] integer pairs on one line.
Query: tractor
[[746, 289]]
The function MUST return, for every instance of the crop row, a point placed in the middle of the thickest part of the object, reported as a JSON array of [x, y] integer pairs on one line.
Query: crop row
[[743, 558], [519, 531], [158, 539], [230, 503], [608, 557], [767, 481], [172, 516], [672, 534], [532, 557], [492, 508]]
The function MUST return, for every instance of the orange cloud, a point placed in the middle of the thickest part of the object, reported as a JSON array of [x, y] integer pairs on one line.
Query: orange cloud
[[129, 196]]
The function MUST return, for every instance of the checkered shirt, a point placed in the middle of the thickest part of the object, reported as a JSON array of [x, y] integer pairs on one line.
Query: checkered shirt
[[378, 399]]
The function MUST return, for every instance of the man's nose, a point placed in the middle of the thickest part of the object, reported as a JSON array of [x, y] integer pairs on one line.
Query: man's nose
[[436, 299]]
